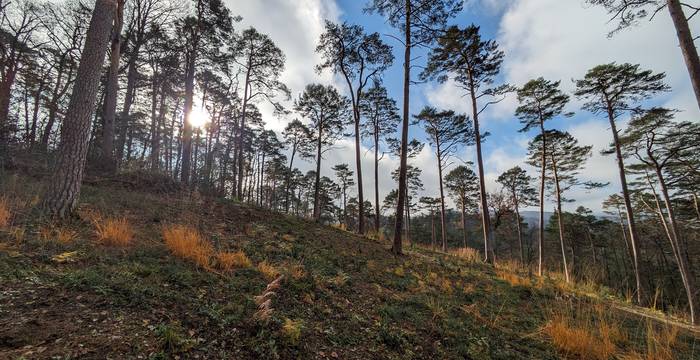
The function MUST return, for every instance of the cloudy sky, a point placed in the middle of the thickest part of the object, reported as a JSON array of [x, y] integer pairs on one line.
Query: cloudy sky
[[556, 39]]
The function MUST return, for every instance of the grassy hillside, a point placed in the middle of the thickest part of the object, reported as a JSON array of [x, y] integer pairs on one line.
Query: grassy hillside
[[264, 285]]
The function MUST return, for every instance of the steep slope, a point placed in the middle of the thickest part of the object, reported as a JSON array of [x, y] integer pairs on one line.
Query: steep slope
[[332, 294]]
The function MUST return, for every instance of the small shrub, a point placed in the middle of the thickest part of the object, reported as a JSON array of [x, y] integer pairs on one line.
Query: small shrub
[[188, 244], [228, 261], [114, 232], [268, 271], [291, 330], [5, 213]]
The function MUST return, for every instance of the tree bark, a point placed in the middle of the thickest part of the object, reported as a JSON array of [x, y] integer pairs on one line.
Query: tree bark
[[317, 184], [687, 44], [442, 200], [111, 91], [628, 206], [377, 225], [489, 255], [543, 174], [187, 126], [683, 266], [560, 221], [64, 189], [397, 245]]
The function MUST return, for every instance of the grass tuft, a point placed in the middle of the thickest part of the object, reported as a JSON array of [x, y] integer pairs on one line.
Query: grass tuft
[[469, 254], [228, 261], [188, 244], [114, 232], [268, 271], [5, 213], [291, 330]]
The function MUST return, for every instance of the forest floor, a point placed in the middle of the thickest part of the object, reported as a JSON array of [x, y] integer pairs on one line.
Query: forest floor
[[335, 295]]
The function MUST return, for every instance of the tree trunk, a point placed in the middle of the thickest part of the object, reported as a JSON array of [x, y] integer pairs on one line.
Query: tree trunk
[[560, 221], [687, 44], [241, 131], [5, 95], [543, 174], [628, 207], [187, 126], [442, 201], [317, 184], [377, 225], [109, 108], [396, 248], [519, 227], [464, 223], [683, 266], [489, 255], [289, 175], [64, 189]]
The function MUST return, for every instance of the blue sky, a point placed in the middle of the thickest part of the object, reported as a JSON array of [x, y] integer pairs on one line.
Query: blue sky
[[556, 39]]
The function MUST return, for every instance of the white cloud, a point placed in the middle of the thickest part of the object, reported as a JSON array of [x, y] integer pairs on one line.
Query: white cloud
[[295, 26], [561, 40]]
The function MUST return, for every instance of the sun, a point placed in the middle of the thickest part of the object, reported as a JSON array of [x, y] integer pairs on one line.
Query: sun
[[198, 118]]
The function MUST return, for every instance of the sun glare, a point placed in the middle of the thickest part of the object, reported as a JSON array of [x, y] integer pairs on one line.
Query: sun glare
[[198, 118]]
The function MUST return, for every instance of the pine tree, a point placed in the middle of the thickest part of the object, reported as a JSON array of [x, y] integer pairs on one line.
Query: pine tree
[[296, 137], [473, 64], [518, 184], [540, 101], [262, 64], [382, 118], [655, 140], [446, 132], [630, 12], [565, 159], [359, 57], [613, 90], [344, 176], [327, 111], [419, 22], [64, 191], [463, 183]]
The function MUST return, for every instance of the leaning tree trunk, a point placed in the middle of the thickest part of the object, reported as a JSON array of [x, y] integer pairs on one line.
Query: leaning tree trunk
[[687, 44], [111, 92], [396, 248], [64, 189], [628, 207], [683, 266]]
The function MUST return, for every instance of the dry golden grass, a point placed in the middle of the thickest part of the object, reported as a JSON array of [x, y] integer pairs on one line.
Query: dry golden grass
[[5, 213], [296, 271], [228, 261], [512, 278], [469, 254], [188, 244], [65, 236], [268, 271], [114, 232], [587, 332], [660, 342]]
